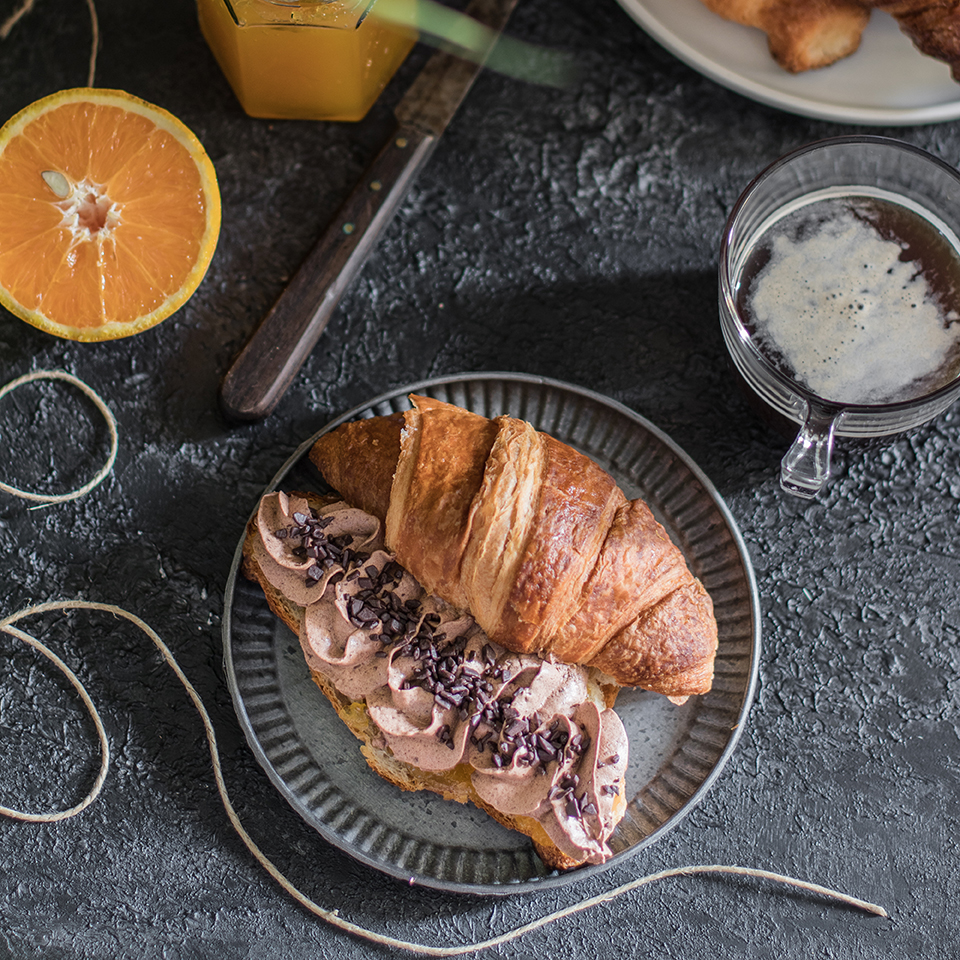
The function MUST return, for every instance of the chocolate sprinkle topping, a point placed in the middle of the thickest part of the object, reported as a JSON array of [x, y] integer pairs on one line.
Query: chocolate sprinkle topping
[[457, 679]]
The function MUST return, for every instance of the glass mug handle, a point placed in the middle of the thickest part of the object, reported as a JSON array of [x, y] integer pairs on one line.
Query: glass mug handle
[[806, 467]]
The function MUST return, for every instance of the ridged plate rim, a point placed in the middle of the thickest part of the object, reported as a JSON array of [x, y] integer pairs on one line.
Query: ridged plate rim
[[694, 514]]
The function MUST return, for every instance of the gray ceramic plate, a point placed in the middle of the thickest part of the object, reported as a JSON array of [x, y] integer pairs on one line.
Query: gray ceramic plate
[[676, 753]]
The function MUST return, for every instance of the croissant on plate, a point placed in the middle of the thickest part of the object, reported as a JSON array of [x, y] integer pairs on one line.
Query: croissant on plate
[[801, 34], [807, 34], [932, 25], [532, 538]]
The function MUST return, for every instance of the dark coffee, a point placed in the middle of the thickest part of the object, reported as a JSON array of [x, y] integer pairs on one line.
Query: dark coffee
[[856, 296]]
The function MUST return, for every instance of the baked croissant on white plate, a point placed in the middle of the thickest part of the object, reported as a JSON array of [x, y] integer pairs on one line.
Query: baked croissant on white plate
[[807, 34]]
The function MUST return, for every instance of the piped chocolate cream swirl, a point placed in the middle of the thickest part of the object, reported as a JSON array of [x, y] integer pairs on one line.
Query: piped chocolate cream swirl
[[534, 740]]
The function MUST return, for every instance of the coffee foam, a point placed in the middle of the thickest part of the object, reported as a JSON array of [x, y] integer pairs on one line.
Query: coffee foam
[[854, 322]]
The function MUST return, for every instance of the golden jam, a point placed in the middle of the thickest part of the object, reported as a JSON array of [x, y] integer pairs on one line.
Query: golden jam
[[303, 60]]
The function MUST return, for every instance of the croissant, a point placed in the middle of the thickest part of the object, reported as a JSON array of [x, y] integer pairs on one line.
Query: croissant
[[807, 34], [435, 704], [932, 25], [532, 538], [801, 34]]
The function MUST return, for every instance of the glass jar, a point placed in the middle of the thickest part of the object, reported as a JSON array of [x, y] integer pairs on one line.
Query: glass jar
[[298, 60]]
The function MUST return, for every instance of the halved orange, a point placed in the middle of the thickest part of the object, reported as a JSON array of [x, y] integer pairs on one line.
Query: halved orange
[[109, 214]]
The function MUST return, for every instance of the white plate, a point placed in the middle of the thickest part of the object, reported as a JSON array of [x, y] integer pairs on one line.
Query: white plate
[[886, 82]]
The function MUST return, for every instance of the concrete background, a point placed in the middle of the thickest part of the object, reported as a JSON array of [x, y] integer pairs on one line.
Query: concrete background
[[570, 234]]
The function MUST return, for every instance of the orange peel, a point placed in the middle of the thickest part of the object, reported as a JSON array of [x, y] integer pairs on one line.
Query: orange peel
[[109, 214]]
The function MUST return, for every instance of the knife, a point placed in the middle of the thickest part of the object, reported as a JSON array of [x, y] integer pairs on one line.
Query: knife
[[266, 366]]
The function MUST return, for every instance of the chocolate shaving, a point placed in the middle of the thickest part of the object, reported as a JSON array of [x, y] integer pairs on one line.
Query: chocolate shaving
[[458, 679]]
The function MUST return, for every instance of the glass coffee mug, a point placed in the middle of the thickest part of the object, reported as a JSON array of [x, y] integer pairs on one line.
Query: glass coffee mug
[[840, 294]]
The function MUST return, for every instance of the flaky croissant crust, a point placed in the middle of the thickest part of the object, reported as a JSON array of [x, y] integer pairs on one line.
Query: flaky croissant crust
[[808, 34], [531, 537]]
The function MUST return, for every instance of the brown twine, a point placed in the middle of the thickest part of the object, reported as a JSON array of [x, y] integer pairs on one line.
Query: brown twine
[[44, 499], [28, 5], [15, 18], [94, 42], [98, 723], [332, 916]]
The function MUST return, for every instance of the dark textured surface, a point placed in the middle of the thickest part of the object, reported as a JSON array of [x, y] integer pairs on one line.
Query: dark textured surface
[[567, 234]]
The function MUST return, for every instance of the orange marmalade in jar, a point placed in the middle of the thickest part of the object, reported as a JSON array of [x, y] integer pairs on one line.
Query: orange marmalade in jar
[[301, 60]]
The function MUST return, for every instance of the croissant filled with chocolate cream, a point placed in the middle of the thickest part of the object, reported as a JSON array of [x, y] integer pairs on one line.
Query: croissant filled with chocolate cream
[[531, 538], [436, 704]]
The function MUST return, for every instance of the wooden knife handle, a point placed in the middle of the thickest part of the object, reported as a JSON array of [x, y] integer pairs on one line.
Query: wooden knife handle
[[266, 366]]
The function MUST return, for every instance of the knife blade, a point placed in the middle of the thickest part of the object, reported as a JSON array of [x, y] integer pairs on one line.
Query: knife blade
[[267, 365]]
